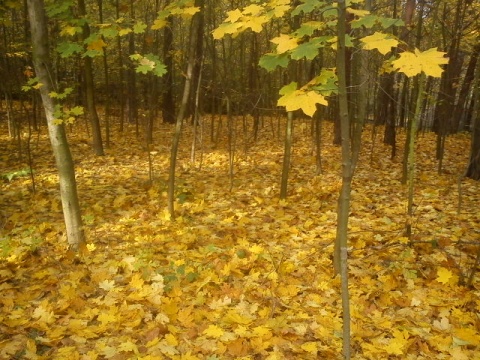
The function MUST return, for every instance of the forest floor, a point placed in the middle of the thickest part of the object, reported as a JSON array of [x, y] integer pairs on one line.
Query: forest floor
[[239, 274]]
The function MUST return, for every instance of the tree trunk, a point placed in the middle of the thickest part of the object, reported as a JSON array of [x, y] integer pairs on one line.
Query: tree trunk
[[168, 106], [473, 169], [287, 153], [90, 89], [132, 103], [183, 107], [58, 138], [340, 251]]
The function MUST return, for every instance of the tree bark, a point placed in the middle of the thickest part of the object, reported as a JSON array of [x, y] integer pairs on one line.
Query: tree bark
[[90, 88], [196, 23], [473, 169], [168, 106], [341, 251], [58, 138]]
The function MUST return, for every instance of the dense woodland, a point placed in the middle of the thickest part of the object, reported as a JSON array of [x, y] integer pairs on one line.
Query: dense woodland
[[199, 179]]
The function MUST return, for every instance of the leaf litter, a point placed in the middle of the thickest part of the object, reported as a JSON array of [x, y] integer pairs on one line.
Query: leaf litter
[[238, 274]]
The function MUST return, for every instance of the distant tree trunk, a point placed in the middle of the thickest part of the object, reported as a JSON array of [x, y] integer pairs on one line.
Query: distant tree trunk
[[90, 88], [444, 123], [287, 153], [419, 85], [106, 74], [132, 103], [461, 111], [197, 68], [194, 27], [168, 106], [58, 138], [253, 85], [473, 169], [121, 86]]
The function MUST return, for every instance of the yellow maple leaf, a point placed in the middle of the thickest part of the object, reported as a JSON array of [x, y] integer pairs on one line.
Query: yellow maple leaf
[[262, 331], [213, 331], [428, 61], [128, 346], [252, 9], [294, 99], [97, 44], [280, 10], [380, 41], [107, 317], [107, 285], [233, 317], [255, 23], [226, 28], [69, 30], [159, 24], [397, 345], [256, 249], [137, 282], [190, 11], [44, 314], [310, 347], [285, 43], [233, 15], [443, 275], [171, 340], [468, 334]]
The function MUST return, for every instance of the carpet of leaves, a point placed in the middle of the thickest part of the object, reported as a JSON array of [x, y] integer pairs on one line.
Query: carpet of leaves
[[239, 274]]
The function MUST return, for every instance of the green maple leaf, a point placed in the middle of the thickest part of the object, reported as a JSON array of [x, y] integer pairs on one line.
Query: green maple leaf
[[428, 61], [380, 41], [325, 83], [77, 110], [308, 6], [271, 61], [67, 49], [308, 28], [149, 64], [279, 10], [387, 22], [109, 32], [139, 27], [368, 21], [309, 50]]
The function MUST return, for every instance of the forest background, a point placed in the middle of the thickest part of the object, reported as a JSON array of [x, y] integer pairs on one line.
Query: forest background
[[214, 146]]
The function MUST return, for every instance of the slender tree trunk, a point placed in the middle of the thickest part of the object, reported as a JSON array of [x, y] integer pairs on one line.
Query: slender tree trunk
[[121, 95], [181, 113], [106, 74], [287, 153], [461, 110], [445, 124], [168, 106], [58, 138], [411, 152], [132, 103], [473, 169], [340, 251], [90, 88]]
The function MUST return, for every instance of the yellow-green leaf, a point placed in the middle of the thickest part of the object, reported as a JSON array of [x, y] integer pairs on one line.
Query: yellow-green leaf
[[380, 41], [302, 99], [428, 61], [285, 43]]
